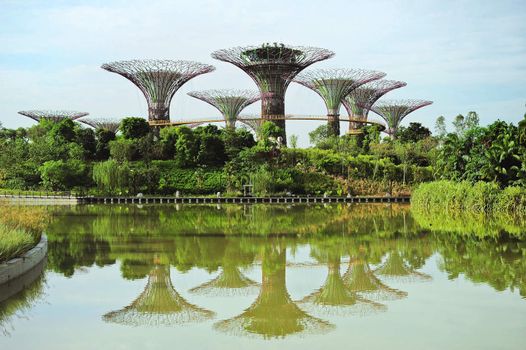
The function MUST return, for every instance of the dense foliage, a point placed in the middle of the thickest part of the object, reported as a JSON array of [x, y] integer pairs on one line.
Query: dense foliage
[[493, 153], [67, 157]]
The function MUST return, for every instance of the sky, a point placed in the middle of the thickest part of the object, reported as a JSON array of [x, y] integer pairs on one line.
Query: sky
[[465, 55]]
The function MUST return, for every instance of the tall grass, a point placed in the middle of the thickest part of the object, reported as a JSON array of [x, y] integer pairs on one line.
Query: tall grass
[[20, 229], [464, 197], [14, 242]]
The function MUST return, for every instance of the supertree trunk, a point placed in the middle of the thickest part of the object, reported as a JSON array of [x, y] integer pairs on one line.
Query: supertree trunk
[[272, 106], [333, 122]]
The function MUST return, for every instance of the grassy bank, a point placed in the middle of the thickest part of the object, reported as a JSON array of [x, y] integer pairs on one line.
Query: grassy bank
[[20, 229], [464, 197]]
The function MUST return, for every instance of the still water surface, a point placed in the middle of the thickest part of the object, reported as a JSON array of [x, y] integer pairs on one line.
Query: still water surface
[[260, 277]]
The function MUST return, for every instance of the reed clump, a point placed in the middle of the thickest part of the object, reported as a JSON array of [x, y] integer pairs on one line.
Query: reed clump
[[465, 197], [20, 229]]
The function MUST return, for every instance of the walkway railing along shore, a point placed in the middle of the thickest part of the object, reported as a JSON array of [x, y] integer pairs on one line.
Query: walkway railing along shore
[[202, 200]]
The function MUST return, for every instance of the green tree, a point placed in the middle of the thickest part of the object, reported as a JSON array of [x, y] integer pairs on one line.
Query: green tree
[[86, 139], [186, 148], [211, 146], [237, 140], [63, 131], [293, 141], [319, 135], [168, 139], [123, 150], [63, 175], [471, 121], [440, 127], [134, 128], [413, 133], [102, 148], [459, 124]]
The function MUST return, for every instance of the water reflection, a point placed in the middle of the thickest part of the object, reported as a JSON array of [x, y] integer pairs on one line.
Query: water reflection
[[359, 278], [159, 304], [364, 248], [396, 268], [230, 281], [335, 297], [19, 295], [273, 313]]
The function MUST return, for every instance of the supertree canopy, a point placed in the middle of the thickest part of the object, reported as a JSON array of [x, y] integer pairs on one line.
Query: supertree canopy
[[158, 80], [394, 111], [229, 102], [102, 123], [55, 116], [358, 103], [333, 85], [272, 67]]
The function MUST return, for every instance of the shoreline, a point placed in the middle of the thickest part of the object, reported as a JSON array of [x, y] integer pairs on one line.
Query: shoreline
[[68, 200]]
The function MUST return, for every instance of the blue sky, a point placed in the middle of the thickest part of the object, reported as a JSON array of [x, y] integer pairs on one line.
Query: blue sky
[[463, 55]]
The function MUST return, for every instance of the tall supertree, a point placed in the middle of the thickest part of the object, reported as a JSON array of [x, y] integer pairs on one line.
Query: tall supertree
[[394, 111], [229, 102], [102, 123], [333, 85], [53, 115], [158, 80], [359, 102], [272, 67]]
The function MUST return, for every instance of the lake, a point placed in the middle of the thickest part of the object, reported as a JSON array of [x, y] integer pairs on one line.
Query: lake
[[270, 277]]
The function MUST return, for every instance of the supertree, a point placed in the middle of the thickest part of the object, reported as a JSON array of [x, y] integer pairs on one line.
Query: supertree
[[333, 85], [102, 123], [358, 103], [229, 102], [272, 67], [53, 115], [159, 304], [394, 111], [158, 80]]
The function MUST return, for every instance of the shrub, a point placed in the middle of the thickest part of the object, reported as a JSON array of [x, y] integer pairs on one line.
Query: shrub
[[134, 128], [189, 181], [481, 197], [63, 175]]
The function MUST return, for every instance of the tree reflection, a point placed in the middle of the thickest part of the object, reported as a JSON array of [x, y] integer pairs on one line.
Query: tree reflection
[[397, 269], [273, 314], [359, 278], [159, 304], [230, 280], [19, 295], [334, 297]]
